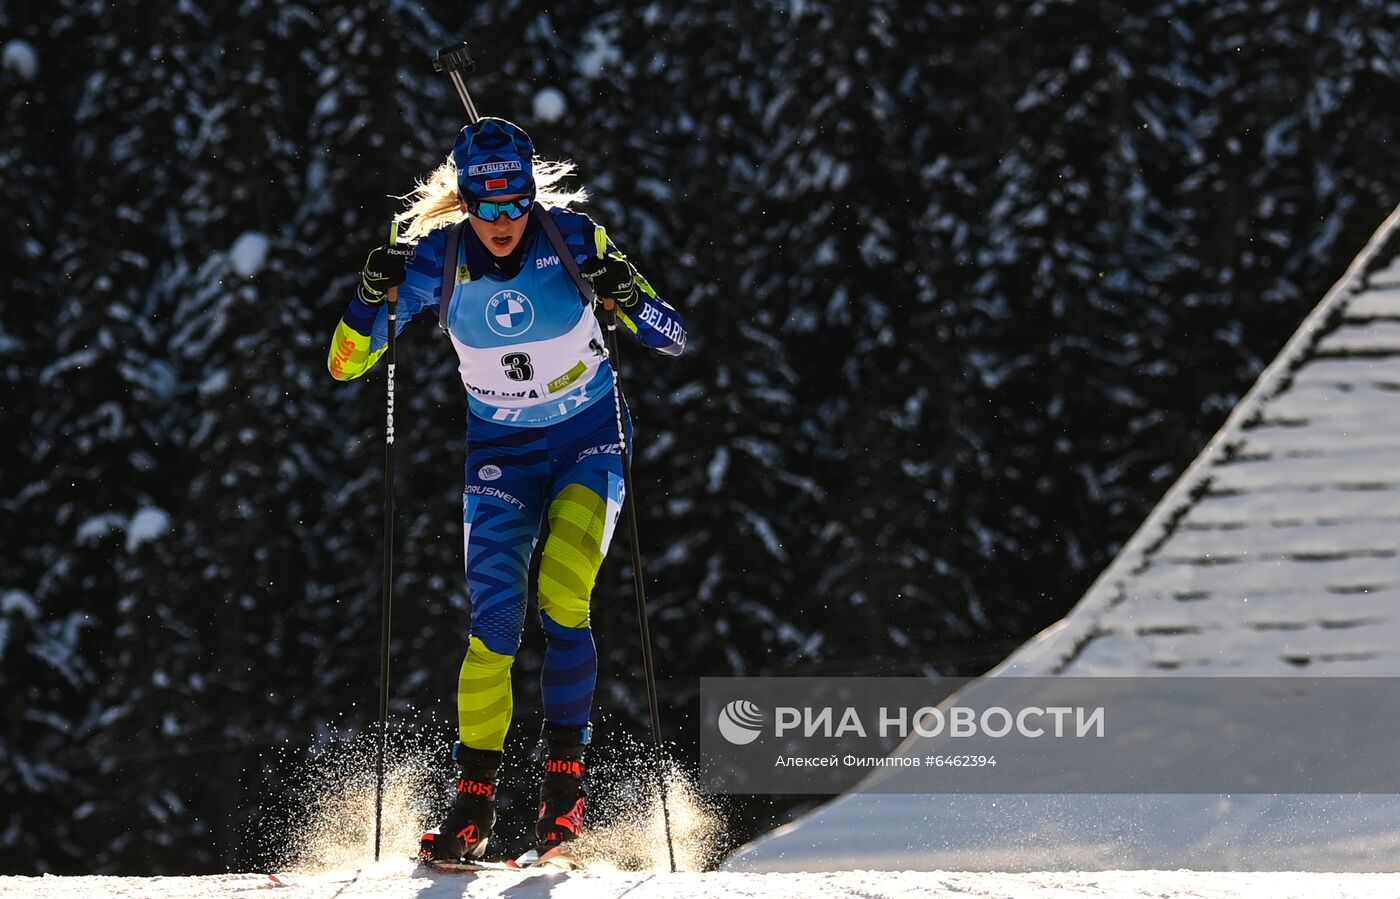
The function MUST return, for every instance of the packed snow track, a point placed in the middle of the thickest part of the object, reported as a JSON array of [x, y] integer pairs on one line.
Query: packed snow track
[[403, 881]]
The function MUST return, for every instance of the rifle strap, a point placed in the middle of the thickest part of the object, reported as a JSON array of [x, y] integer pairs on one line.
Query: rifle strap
[[551, 231], [449, 272]]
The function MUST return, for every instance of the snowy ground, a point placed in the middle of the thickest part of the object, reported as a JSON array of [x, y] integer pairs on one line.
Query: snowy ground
[[401, 881]]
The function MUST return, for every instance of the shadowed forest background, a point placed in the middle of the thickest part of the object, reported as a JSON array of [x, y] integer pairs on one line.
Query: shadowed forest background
[[967, 286]]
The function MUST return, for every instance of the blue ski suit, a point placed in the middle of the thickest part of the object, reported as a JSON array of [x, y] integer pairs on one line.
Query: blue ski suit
[[544, 442]]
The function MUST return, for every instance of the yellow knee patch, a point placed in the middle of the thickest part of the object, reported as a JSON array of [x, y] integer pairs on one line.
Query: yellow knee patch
[[572, 555], [483, 697]]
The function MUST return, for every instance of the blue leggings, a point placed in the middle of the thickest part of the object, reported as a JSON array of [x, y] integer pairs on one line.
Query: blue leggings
[[569, 473]]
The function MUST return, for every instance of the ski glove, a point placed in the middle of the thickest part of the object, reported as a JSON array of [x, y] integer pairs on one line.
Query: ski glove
[[613, 278], [386, 267]]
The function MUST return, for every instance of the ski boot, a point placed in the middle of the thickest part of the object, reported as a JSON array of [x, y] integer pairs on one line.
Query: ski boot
[[467, 828], [562, 794]]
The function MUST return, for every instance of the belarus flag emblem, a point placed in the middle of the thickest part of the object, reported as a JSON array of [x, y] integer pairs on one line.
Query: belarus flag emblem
[[496, 183]]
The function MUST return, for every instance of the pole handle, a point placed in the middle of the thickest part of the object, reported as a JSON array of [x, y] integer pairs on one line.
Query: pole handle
[[393, 292], [456, 62], [456, 58]]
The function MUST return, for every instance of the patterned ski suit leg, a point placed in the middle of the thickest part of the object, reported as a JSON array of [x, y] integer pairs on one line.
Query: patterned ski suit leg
[[585, 499], [502, 508]]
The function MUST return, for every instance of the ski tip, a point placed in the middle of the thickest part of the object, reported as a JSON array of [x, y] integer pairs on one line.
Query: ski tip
[[558, 857]]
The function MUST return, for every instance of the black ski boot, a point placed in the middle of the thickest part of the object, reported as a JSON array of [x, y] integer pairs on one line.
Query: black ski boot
[[562, 794], [467, 828]]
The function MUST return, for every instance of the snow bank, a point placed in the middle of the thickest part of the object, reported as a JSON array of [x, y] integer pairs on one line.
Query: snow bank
[[1086, 832], [398, 879]]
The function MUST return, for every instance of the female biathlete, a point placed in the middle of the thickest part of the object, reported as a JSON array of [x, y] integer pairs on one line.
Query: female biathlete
[[543, 440]]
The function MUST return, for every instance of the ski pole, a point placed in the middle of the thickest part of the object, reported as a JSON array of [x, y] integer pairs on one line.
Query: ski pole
[[456, 61], [387, 604], [638, 582]]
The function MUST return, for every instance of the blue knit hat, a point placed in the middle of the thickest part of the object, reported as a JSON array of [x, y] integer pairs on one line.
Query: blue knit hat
[[494, 159]]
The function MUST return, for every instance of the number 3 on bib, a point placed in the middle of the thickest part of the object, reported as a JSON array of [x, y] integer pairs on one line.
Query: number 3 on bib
[[517, 366]]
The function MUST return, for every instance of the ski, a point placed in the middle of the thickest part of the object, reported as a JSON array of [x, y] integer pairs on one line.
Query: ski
[[556, 859], [461, 866]]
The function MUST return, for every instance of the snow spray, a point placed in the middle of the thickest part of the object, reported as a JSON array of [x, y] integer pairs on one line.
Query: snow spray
[[329, 823], [627, 830]]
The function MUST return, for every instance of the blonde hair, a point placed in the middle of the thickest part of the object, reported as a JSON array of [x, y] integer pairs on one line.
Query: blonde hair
[[432, 203]]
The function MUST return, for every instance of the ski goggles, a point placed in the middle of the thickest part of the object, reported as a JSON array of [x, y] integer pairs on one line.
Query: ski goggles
[[489, 210]]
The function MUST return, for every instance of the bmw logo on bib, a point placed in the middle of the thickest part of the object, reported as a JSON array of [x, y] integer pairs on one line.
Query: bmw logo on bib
[[509, 313]]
